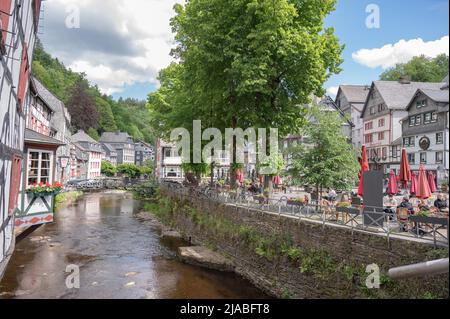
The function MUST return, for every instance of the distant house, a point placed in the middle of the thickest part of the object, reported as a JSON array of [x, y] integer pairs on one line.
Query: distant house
[[123, 144], [168, 162], [351, 99], [93, 149], [425, 131], [79, 162], [143, 152], [385, 107], [109, 154], [59, 127]]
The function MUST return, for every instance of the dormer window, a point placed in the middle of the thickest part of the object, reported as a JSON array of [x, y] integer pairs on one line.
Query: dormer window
[[421, 103]]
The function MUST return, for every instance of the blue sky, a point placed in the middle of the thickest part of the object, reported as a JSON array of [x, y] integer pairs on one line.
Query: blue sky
[[399, 19], [123, 50]]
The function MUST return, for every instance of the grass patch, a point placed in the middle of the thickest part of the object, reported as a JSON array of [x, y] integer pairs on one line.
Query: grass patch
[[64, 199]]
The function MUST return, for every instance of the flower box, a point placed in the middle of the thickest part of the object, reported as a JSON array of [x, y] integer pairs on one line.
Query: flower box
[[44, 190]]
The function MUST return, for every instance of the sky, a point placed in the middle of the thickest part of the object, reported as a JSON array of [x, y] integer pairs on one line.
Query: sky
[[122, 44]]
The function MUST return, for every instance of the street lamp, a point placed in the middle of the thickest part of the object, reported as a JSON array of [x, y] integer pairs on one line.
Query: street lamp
[[63, 162]]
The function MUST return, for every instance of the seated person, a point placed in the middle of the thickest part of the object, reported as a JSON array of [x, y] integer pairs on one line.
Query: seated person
[[441, 203], [331, 195], [390, 204], [423, 206], [406, 204]]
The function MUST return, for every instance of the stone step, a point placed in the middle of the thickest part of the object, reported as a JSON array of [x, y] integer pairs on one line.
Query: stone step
[[204, 257]]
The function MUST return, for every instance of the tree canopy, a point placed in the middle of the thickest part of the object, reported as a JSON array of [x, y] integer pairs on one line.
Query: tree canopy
[[328, 160], [419, 69], [108, 115]]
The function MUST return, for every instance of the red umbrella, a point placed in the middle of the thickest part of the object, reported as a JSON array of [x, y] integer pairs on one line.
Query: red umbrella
[[432, 182], [405, 171], [364, 168], [277, 180], [239, 176], [423, 188], [413, 188], [392, 186]]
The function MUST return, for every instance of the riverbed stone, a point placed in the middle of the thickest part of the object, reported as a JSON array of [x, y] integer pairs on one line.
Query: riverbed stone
[[171, 234], [204, 257]]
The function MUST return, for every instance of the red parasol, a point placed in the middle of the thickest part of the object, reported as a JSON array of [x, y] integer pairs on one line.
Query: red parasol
[[423, 188], [364, 168], [392, 186], [239, 176], [432, 182], [405, 171], [413, 188], [277, 180]]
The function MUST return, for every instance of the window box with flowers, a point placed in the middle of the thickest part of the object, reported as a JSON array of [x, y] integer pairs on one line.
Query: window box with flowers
[[44, 190]]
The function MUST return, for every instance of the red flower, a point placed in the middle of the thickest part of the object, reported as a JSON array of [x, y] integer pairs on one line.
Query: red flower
[[48, 185], [41, 184]]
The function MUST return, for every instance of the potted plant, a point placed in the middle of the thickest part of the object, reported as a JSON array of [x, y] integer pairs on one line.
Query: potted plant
[[444, 187]]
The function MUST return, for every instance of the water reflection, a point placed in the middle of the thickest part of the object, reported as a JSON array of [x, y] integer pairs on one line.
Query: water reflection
[[118, 255]]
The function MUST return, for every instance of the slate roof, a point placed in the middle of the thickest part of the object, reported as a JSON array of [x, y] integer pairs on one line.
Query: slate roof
[[109, 149], [445, 80], [439, 96], [35, 137], [397, 95], [81, 136], [52, 101], [115, 137], [355, 93]]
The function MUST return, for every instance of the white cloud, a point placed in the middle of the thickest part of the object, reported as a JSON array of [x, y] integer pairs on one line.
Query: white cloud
[[401, 52], [119, 42], [333, 91]]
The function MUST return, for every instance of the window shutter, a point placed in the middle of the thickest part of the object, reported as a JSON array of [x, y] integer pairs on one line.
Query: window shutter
[[5, 10], [36, 12], [24, 75], [15, 183]]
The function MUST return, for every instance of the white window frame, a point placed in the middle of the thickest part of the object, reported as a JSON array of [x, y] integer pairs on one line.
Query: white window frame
[[50, 177]]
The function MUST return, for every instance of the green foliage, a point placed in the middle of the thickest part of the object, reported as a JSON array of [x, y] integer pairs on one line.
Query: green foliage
[[92, 132], [66, 198], [147, 191], [245, 64], [129, 170], [108, 169], [329, 160], [419, 69], [127, 115]]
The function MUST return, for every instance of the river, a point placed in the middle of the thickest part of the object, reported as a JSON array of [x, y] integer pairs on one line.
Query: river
[[119, 257]]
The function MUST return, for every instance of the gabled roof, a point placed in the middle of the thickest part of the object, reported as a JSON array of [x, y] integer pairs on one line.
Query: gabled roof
[[109, 149], [35, 137], [397, 95], [81, 136], [439, 96], [49, 99], [115, 137], [354, 93]]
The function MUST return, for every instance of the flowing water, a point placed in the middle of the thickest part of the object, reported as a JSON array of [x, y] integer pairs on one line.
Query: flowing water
[[119, 256]]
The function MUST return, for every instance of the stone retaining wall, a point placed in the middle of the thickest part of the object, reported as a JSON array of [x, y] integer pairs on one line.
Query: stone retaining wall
[[352, 251]]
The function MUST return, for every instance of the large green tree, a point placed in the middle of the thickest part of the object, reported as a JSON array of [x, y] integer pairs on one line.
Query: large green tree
[[328, 160], [419, 69], [246, 63]]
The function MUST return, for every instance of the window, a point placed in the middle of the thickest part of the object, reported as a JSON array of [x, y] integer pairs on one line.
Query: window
[[395, 152], [427, 118], [412, 158], [369, 138], [381, 122], [381, 136], [39, 167], [439, 157], [384, 154], [418, 119], [369, 126], [422, 103], [5, 7], [15, 183], [412, 121], [24, 75], [409, 141], [381, 107], [167, 153], [372, 110], [433, 117], [440, 138], [423, 158]]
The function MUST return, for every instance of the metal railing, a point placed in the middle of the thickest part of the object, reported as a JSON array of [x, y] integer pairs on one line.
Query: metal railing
[[362, 218]]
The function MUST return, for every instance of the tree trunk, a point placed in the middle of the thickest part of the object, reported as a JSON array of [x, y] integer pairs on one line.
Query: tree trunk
[[233, 155]]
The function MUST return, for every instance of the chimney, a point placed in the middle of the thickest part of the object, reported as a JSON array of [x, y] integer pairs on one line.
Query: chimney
[[405, 79]]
